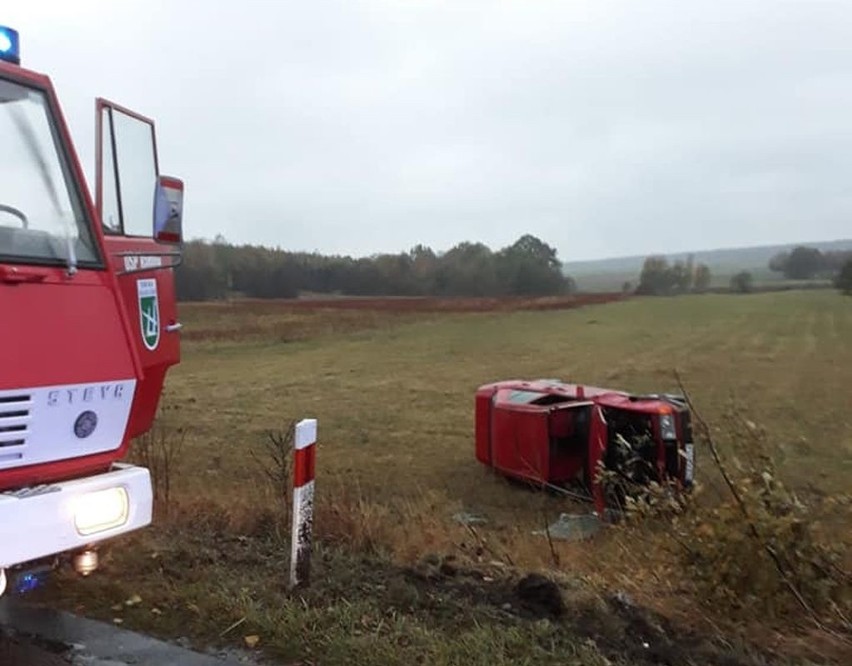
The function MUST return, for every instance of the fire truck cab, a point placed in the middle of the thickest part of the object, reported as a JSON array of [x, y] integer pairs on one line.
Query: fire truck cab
[[88, 322]]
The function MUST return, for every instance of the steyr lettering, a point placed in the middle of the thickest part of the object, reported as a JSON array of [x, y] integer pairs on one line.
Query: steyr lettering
[[74, 396]]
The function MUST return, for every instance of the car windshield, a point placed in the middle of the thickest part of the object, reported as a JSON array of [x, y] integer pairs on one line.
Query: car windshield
[[41, 216]]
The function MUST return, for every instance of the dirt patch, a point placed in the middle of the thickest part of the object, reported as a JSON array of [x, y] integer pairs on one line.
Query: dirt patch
[[540, 596], [620, 629]]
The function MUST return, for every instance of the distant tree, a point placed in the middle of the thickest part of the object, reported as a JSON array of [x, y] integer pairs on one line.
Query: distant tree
[[681, 276], [687, 281], [778, 263], [844, 278], [803, 263], [530, 266], [200, 277], [627, 287], [833, 262], [656, 278], [742, 282], [423, 264], [702, 279], [468, 269]]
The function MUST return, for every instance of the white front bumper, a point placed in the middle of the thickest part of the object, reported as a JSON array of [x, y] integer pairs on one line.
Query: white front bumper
[[39, 522]]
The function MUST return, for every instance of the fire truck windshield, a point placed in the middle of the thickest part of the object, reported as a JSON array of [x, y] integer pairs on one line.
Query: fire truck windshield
[[42, 220]]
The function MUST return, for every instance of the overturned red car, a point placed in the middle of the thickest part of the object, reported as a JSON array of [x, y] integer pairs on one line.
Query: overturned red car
[[553, 433]]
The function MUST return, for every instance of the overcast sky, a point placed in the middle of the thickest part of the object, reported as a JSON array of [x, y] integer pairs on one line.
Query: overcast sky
[[606, 128]]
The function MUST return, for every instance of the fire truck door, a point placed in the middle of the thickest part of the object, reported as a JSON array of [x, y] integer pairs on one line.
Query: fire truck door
[[128, 194]]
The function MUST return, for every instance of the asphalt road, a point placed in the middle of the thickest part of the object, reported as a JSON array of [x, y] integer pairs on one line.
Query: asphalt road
[[14, 652], [34, 636]]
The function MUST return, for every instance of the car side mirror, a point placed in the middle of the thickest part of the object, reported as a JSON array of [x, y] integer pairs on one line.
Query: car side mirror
[[168, 210]]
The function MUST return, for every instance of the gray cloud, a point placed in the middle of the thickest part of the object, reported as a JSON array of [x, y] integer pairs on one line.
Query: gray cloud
[[606, 128]]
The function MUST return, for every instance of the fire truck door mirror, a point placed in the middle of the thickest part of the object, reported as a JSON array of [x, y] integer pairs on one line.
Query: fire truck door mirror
[[168, 210]]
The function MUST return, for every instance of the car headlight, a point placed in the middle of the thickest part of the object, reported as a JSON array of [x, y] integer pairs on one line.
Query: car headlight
[[101, 510], [667, 426]]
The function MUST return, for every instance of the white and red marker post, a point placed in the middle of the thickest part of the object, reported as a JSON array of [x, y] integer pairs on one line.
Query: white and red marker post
[[304, 458]]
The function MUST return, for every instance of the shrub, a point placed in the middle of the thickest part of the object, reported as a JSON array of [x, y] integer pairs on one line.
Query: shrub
[[276, 464], [160, 450], [758, 548], [742, 282], [761, 551]]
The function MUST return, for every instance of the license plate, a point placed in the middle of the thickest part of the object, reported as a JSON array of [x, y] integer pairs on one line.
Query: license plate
[[689, 454]]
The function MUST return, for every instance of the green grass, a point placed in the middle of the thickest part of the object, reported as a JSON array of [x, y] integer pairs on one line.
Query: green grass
[[394, 399]]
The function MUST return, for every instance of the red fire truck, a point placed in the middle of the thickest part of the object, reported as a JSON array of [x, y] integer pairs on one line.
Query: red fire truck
[[89, 323]]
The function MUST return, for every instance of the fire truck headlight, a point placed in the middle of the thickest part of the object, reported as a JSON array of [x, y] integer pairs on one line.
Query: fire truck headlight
[[667, 426], [101, 510]]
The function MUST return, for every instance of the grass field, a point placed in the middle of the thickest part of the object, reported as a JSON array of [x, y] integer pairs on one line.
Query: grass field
[[393, 393], [395, 401]]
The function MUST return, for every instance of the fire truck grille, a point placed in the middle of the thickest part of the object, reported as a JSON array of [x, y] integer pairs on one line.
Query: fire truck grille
[[14, 423]]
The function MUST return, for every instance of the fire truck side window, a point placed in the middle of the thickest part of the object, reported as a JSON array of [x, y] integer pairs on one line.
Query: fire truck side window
[[42, 219], [129, 174]]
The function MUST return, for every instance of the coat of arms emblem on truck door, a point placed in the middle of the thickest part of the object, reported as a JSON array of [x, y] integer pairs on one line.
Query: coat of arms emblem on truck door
[[149, 312]]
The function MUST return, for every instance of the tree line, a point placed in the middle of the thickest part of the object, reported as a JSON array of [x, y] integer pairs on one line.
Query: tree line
[[808, 263], [659, 278], [216, 269]]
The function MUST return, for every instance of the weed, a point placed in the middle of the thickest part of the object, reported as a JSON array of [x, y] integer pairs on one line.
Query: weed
[[754, 550], [160, 450], [759, 548], [276, 464]]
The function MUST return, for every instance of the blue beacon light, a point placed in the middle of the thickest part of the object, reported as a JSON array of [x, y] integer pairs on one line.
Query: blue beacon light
[[10, 46], [27, 583]]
